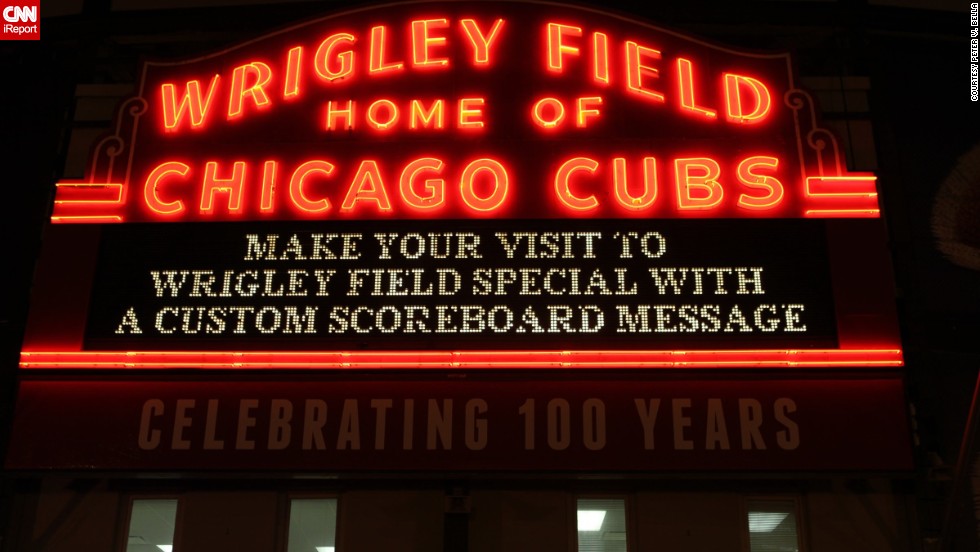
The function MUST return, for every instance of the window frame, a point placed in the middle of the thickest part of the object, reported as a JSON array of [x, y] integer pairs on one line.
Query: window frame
[[286, 511], [573, 544], [797, 511], [129, 500]]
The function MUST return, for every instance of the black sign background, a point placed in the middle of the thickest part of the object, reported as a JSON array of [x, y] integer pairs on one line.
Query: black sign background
[[792, 254]]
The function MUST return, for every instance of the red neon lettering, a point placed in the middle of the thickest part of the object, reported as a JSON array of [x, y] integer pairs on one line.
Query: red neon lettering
[[377, 52], [685, 76], [706, 183], [270, 171], [760, 182], [564, 175], [422, 42], [260, 74], [435, 188], [586, 108], [635, 70], [232, 187], [334, 115], [481, 41], [557, 112], [293, 62], [623, 195], [467, 185], [325, 53], [296, 181], [190, 103], [379, 105], [471, 112], [366, 186], [153, 182], [434, 117], [600, 58], [758, 94], [556, 48]]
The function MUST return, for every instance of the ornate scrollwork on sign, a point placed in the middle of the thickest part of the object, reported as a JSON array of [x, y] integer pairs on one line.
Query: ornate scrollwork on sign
[[832, 191], [102, 194]]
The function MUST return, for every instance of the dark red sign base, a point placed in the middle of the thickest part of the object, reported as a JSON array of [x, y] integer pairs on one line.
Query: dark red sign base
[[718, 425]]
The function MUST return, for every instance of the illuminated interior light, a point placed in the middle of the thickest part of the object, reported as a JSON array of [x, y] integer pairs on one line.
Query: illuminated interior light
[[562, 184], [257, 72], [600, 59], [557, 49], [471, 112], [685, 78], [190, 104], [166, 547], [423, 42], [586, 108], [325, 57], [482, 42], [232, 187], [557, 110], [711, 191], [636, 70], [387, 106], [335, 114], [377, 53], [291, 84], [325, 549], [467, 184], [747, 175], [433, 117], [270, 171], [765, 522], [296, 181], [154, 181], [435, 188], [758, 94], [650, 184], [368, 186], [591, 520]]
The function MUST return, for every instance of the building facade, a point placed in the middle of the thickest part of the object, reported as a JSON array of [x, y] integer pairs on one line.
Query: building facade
[[448, 276]]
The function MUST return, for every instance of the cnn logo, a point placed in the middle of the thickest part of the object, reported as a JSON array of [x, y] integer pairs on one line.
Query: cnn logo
[[20, 14], [20, 20]]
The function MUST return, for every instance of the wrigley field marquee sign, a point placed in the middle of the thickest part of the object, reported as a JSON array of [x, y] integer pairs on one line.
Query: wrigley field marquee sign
[[451, 185], [465, 236]]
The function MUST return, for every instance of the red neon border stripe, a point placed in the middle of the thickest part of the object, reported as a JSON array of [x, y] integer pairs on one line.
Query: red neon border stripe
[[758, 358]]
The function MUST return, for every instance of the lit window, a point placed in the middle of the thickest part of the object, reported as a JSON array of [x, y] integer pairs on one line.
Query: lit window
[[151, 525], [601, 524], [773, 526], [312, 525]]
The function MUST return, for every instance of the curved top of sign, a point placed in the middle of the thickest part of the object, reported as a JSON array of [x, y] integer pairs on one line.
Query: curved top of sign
[[452, 110]]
